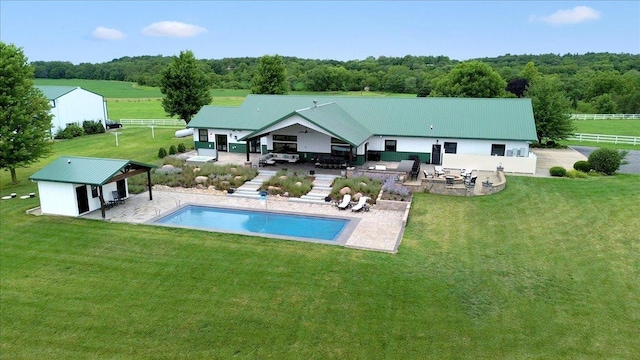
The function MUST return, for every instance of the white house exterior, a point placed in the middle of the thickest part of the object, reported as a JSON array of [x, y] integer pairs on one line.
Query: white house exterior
[[453, 132], [73, 199], [73, 105], [73, 186]]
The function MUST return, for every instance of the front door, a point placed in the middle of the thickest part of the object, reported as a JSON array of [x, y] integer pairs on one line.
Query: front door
[[221, 142], [435, 154], [83, 199], [122, 189], [254, 146]]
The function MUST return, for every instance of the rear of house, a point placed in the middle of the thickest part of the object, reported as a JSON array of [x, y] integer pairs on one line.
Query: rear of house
[[454, 132]]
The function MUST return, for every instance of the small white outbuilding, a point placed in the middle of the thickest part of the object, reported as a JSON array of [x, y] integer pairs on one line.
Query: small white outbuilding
[[73, 105], [73, 186]]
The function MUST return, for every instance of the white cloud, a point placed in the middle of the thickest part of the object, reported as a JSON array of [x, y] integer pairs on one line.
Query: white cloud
[[104, 33], [173, 29], [570, 16]]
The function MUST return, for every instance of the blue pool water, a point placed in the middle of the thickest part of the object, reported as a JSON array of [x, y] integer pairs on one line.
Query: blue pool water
[[258, 222]]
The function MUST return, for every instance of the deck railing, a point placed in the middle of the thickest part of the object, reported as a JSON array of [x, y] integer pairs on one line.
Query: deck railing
[[611, 139]]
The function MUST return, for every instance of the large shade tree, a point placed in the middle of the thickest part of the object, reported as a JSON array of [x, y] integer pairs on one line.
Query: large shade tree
[[473, 79], [550, 110], [270, 76], [25, 120], [185, 86]]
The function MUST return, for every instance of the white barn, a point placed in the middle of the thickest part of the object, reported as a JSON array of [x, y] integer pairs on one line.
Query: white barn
[[73, 186], [73, 105]]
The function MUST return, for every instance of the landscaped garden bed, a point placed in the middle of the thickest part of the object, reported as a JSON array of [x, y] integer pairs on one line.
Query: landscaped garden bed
[[176, 173], [288, 183]]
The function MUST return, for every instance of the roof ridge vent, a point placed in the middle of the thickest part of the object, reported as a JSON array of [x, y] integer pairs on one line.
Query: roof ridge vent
[[315, 103]]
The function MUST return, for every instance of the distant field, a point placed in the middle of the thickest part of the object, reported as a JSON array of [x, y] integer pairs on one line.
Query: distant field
[[609, 127]]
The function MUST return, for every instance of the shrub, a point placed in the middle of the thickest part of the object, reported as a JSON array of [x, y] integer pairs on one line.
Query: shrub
[[92, 127], [162, 153], [582, 165], [606, 161], [577, 174], [181, 148], [557, 171], [69, 132], [172, 150]]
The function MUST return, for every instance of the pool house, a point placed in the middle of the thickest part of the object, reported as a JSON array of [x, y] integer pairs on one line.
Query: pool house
[[453, 132]]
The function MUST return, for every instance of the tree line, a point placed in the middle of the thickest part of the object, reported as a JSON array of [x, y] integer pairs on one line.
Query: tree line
[[594, 82]]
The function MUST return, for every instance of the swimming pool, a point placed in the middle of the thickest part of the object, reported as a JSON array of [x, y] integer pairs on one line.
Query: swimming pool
[[257, 222]]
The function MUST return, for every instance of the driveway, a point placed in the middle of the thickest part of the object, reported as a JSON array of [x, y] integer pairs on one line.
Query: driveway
[[548, 158], [633, 167]]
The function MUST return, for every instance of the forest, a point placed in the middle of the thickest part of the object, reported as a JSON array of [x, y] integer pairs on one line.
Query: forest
[[594, 82]]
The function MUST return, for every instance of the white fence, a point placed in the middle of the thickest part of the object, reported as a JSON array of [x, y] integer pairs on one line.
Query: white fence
[[612, 139], [605, 116], [157, 122]]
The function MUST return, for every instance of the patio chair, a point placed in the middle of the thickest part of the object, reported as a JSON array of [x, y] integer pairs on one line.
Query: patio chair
[[116, 198], [361, 205], [438, 170], [471, 181], [345, 203]]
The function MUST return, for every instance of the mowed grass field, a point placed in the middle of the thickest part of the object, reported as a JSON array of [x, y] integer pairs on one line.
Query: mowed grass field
[[547, 268]]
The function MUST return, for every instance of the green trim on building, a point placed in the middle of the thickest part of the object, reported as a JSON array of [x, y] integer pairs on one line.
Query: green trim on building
[[237, 148], [204, 145], [399, 155]]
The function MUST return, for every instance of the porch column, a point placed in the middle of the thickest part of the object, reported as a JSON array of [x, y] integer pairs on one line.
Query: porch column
[[149, 183], [247, 149], [101, 197]]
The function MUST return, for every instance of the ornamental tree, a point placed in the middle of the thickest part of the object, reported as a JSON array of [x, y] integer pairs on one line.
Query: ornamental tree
[[25, 121], [550, 110], [185, 86]]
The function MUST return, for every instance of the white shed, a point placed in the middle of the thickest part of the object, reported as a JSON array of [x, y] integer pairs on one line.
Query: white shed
[[73, 186], [73, 105]]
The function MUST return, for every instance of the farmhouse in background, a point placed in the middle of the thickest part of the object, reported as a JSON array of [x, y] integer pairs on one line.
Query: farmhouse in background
[[453, 132], [73, 186], [73, 105]]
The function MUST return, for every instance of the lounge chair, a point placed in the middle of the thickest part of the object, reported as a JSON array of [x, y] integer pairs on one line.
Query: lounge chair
[[345, 203], [438, 170], [361, 205]]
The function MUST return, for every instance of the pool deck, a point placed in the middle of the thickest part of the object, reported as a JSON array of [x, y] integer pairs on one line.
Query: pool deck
[[378, 230]]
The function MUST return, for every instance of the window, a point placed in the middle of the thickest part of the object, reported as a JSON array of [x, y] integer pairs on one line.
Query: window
[[285, 138], [285, 147], [390, 145], [94, 191], [497, 149], [202, 135], [450, 148]]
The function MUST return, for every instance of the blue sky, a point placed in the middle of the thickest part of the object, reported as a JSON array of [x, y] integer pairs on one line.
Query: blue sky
[[99, 31]]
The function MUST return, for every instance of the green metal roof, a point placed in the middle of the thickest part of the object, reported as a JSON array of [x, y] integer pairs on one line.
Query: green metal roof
[[84, 170], [458, 118], [53, 92]]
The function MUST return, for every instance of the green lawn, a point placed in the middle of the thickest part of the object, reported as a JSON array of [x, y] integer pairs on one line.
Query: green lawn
[[547, 268], [609, 127]]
